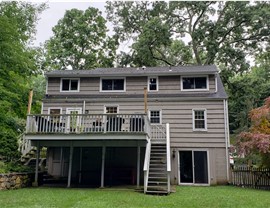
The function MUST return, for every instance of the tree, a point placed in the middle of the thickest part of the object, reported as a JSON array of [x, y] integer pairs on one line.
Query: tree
[[215, 32], [80, 40], [17, 65], [247, 91], [257, 139]]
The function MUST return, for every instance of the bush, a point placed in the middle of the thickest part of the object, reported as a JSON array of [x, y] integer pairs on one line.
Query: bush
[[14, 167]]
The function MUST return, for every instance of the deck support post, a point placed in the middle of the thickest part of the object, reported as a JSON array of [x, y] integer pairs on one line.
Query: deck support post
[[80, 171], [138, 165], [103, 166], [70, 164], [37, 162]]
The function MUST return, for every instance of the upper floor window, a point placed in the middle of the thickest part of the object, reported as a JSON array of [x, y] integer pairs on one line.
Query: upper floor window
[[155, 116], [113, 84], [194, 83], [152, 84], [199, 120], [69, 85]]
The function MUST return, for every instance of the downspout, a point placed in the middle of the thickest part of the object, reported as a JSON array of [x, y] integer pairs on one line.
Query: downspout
[[226, 138]]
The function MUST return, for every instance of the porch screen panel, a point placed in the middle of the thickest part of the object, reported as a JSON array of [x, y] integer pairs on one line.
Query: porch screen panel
[[200, 167], [186, 169]]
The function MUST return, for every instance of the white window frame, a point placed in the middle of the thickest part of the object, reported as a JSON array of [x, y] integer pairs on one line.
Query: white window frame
[[208, 166], [61, 83], [148, 84], [114, 78], [49, 111], [105, 106], [205, 119], [197, 76], [160, 116]]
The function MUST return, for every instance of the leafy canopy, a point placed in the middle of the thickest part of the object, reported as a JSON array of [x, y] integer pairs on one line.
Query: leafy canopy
[[212, 32], [80, 40]]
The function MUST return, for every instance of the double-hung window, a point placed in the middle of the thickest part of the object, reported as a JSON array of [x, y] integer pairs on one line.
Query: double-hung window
[[152, 84], [199, 120], [155, 116], [194, 83], [70, 85], [113, 84]]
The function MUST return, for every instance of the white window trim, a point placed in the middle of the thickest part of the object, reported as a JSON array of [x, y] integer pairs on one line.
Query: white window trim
[[208, 166], [47, 82], [160, 116], [104, 78], [207, 83], [205, 119], [148, 84], [61, 81], [111, 105], [50, 108]]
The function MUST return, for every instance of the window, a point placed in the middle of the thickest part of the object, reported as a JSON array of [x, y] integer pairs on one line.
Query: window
[[152, 84], [69, 85], [155, 117], [111, 109], [55, 112], [112, 84], [194, 83], [199, 120]]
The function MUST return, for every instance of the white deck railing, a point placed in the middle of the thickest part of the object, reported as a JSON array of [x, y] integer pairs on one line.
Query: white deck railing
[[87, 123]]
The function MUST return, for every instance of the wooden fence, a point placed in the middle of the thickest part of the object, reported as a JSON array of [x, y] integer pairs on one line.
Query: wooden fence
[[258, 178]]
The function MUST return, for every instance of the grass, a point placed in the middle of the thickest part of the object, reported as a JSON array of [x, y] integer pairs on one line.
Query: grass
[[214, 196]]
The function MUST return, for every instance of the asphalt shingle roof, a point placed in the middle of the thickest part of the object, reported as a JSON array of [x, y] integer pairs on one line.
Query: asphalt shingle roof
[[139, 71]]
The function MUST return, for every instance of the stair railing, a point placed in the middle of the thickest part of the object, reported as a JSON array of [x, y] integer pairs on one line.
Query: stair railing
[[158, 133], [24, 144], [146, 164], [168, 157]]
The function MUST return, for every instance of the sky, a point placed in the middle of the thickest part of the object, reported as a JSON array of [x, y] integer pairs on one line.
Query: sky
[[56, 11]]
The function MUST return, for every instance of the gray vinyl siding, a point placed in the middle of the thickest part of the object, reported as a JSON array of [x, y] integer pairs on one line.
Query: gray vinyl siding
[[177, 114], [216, 160], [134, 85]]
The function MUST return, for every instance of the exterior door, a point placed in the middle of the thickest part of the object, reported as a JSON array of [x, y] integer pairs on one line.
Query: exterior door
[[73, 120], [193, 167]]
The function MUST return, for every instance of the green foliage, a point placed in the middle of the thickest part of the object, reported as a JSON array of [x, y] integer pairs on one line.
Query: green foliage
[[216, 32], [13, 167], [247, 91], [17, 66], [80, 41]]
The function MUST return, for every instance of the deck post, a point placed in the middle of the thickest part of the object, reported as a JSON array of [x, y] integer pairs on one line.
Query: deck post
[[37, 162], [103, 166], [138, 165], [70, 164], [80, 175]]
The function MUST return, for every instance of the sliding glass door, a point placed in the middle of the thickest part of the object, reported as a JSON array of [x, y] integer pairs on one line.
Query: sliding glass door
[[193, 167]]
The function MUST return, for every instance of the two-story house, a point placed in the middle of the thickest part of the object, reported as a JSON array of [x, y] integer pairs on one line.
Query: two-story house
[[150, 126]]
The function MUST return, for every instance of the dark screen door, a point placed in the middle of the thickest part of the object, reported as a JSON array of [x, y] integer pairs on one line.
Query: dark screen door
[[193, 167]]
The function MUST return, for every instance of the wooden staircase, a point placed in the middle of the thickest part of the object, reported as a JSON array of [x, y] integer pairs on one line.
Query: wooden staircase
[[157, 166], [158, 178]]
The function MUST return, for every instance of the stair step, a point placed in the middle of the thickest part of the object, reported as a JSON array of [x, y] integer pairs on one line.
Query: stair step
[[157, 188], [157, 192], [157, 182], [157, 177]]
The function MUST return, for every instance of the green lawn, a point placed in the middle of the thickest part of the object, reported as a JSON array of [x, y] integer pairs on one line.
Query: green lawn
[[219, 196]]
